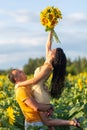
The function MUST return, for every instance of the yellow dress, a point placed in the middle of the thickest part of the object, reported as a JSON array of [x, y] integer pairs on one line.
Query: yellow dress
[[40, 93]]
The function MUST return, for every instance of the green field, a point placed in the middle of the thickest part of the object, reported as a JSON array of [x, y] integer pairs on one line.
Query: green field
[[72, 103]]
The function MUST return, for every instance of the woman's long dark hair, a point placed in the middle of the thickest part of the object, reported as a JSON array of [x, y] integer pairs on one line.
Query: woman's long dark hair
[[59, 71]]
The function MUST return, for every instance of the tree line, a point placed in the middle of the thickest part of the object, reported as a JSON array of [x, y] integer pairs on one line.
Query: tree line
[[74, 67]]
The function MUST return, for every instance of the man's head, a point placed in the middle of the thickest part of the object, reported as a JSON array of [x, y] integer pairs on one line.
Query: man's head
[[16, 76]]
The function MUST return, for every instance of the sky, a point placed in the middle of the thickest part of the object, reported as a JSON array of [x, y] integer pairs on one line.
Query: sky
[[22, 36]]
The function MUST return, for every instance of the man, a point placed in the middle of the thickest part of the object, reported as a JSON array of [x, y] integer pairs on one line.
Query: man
[[24, 97], [30, 108]]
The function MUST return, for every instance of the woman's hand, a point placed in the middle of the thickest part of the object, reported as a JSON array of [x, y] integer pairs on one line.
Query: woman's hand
[[17, 85]]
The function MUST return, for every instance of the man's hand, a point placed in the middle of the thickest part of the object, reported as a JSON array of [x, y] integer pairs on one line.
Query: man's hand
[[50, 111]]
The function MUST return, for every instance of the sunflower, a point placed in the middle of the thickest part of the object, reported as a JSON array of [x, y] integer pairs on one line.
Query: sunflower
[[49, 17], [10, 114]]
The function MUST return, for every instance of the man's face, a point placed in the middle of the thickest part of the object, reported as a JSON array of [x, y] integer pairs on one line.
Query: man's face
[[19, 75]]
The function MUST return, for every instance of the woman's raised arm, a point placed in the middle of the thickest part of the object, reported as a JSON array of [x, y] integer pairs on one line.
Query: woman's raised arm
[[49, 43]]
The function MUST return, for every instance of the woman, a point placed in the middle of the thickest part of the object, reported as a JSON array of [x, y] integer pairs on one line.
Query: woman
[[56, 62]]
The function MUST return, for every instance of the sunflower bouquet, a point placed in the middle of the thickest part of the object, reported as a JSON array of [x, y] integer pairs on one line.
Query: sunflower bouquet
[[49, 18]]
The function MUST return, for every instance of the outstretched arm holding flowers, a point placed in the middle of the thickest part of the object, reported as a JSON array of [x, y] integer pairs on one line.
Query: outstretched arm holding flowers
[[49, 18]]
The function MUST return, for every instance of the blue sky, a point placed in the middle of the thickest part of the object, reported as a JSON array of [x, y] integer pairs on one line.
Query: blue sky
[[22, 36]]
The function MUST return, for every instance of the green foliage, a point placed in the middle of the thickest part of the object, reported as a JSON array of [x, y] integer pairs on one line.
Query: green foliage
[[71, 104], [37, 128], [77, 66], [7, 99]]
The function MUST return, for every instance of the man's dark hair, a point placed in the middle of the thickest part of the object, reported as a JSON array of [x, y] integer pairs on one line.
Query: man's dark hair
[[11, 76]]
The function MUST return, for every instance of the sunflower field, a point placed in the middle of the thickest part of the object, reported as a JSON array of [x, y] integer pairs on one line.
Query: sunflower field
[[72, 104]]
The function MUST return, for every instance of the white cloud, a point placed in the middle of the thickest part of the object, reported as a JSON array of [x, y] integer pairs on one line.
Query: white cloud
[[7, 41], [78, 16], [23, 41], [21, 16], [35, 41], [2, 24], [75, 21]]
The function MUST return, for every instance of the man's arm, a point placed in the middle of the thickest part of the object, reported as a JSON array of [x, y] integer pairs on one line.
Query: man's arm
[[37, 106]]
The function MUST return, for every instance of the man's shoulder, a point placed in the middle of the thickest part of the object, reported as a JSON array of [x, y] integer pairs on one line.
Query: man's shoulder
[[22, 88], [22, 92]]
